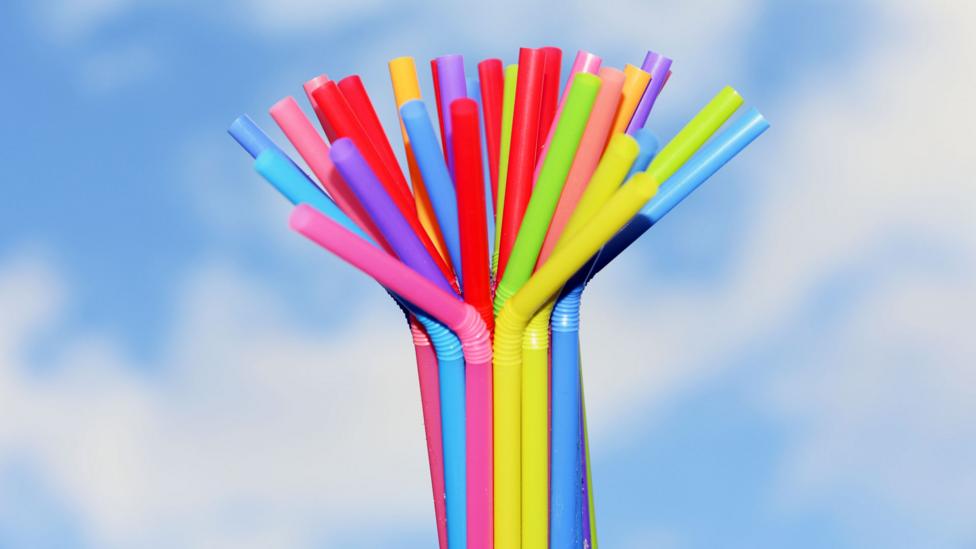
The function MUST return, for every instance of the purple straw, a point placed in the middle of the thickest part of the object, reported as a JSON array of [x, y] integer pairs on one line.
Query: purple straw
[[398, 233], [658, 66], [453, 86]]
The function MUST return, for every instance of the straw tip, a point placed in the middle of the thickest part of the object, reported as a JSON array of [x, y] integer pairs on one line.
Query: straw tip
[[464, 106], [315, 83], [283, 104], [413, 109], [302, 217], [342, 150]]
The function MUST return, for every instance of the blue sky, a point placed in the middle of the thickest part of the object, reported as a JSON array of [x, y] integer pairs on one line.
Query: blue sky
[[783, 361]]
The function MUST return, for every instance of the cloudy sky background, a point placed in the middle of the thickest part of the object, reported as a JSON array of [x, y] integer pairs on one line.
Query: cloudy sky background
[[786, 361]]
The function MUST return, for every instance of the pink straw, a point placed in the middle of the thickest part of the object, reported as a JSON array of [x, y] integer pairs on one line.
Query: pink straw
[[587, 157], [311, 86], [584, 62], [431, 404], [459, 317], [297, 128]]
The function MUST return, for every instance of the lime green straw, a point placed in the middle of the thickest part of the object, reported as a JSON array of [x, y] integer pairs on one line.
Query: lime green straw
[[548, 187], [508, 111]]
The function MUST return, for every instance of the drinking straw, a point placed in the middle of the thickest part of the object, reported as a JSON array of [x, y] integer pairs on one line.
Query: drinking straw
[[523, 148], [648, 148], [508, 109], [474, 92], [310, 87], [354, 91], [299, 131], [550, 92], [251, 137], [437, 102], [584, 62], [452, 86], [555, 168], [492, 80], [509, 326], [335, 107], [589, 527], [508, 388], [566, 478], [634, 85], [430, 405], [470, 184], [298, 188], [403, 75], [434, 170], [441, 305], [588, 156], [658, 66], [408, 247]]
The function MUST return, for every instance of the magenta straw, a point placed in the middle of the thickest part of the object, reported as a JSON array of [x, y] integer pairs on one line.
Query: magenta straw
[[658, 66]]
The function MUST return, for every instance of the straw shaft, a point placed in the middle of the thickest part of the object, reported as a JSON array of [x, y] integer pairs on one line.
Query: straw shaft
[[523, 148], [550, 92], [297, 128], [469, 178], [492, 81], [508, 109], [588, 155], [452, 86], [406, 87], [555, 168], [584, 62], [343, 119], [432, 166], [309, 88], [431, 407], [634, 85], [658, 66]]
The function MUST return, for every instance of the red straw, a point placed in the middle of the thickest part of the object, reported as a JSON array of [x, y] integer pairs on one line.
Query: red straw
[[472, 225], [340, 115], [492, 80], [355, 93], [523, 149], [310, 87], [437, 103], [550, 91]]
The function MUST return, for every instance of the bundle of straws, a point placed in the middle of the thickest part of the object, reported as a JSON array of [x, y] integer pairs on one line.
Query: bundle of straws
[[573, 179]]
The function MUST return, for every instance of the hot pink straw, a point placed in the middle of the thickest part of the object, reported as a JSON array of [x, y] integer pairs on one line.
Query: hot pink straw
[[459, 317], [431, 405], [297, 128], [587, 156], [584, 62]]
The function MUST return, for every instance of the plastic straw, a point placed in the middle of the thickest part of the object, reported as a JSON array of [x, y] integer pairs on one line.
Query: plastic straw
[[452, 86], [310, 87], [658, 66], [437, 101], [298, 188], [471, 207], [649, 146], [299, 131], [458, 316], [634, 85], [587, 157], [584, 62], [550, 92], [555, 168], [523, 148], [427, 366], [434, 169], [508, 109], [403, 76], [335, 107], [492, 80], [251, 137], [411, 251]]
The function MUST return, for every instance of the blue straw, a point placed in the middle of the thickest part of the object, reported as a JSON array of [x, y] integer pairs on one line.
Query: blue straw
[[251, 137], [649, 146], [565, 317], [440, 187]]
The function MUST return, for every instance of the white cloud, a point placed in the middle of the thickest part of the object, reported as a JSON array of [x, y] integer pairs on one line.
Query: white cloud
[[249, 410]]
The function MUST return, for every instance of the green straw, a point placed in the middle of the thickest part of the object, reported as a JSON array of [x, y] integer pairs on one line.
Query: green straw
[[548, 187]]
